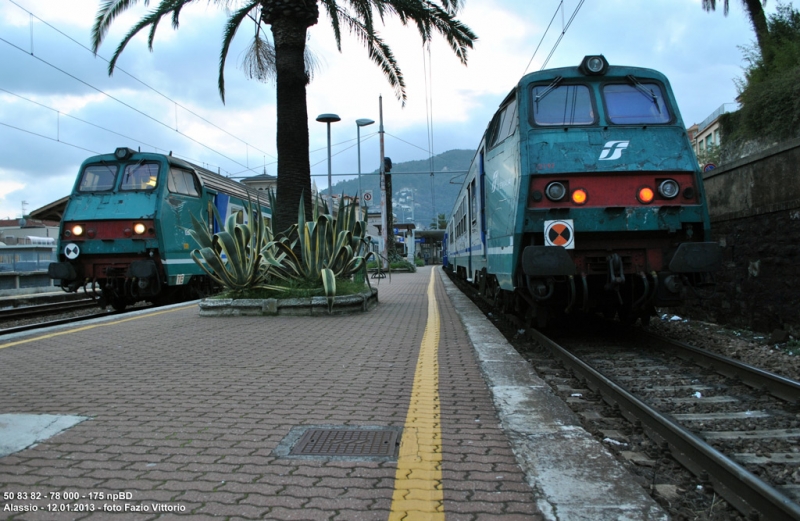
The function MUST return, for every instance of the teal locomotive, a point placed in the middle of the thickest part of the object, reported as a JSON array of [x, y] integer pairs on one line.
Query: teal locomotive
[[584, 194], [124, 234]]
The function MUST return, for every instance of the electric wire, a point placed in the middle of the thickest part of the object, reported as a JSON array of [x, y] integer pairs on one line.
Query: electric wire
[[559, 6], [123, 103], [428, 74], [78, 119], [48, 137], [563, 32], [120, 69]]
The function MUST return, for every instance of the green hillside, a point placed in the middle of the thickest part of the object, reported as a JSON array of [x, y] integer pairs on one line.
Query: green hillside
[[429, 191]]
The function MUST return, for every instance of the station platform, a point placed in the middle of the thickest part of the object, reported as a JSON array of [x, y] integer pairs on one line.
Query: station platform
[[417, 409]]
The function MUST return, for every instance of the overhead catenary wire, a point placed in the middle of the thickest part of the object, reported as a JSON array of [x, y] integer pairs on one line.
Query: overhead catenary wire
[[122, 103], [120, 69], [48, 137], [560, 6], [60, 113], [428, 74], [563, 32]]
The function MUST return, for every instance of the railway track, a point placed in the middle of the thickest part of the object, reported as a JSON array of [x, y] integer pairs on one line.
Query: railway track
[[734, 433], [652, 399], [39, 310], [40, 316]]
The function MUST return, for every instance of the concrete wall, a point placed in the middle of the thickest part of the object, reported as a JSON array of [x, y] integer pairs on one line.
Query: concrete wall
[[755, 215]]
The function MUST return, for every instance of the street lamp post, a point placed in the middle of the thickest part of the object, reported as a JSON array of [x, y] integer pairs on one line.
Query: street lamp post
[[360, 123], [328, 119]]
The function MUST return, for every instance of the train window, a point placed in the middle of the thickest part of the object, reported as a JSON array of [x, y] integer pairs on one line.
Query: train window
[[139, 176], [238, 211], [473, 203], [636, 104], [182, 182], [97, 178], [504, 124], [562, 105]]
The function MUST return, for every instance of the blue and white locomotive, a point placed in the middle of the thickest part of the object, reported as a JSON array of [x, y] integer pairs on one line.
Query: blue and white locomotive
[[584, 194], [125, 229]]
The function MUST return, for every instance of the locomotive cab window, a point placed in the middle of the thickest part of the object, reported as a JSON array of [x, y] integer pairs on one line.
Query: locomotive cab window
[[97, 178], [636, 103], [503, 124], [139, 176], [182, 182], [562, 105]]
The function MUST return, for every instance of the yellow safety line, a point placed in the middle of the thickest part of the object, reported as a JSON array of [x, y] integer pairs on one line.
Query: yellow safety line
[[418, 490], [84, 328]]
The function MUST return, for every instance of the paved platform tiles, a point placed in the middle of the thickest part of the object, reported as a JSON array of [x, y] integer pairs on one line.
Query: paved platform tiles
[[190, 413]]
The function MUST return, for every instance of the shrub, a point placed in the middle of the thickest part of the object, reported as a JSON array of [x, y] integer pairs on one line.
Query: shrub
[[311, 254]]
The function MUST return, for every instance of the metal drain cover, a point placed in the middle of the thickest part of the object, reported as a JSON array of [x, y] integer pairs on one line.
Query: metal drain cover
[[346, 442]]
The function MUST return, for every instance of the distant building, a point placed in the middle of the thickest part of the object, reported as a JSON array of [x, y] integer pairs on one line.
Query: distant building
[[261, 182], [28, 231], [705, 136]]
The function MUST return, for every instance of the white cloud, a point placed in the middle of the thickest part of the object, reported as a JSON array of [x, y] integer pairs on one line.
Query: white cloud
[[697, 50]]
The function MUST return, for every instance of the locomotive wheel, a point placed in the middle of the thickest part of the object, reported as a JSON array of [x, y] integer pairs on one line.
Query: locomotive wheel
[[118, 304]]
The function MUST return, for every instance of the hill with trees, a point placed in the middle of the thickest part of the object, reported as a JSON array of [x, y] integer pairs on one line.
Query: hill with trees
[[420, 189]]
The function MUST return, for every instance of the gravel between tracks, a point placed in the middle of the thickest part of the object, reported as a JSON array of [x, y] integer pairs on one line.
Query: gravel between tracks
[[747, 346]]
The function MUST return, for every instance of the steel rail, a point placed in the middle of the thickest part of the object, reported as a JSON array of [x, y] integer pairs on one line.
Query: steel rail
[[746, 492], [59, 322], [778, 386], [44, 309]]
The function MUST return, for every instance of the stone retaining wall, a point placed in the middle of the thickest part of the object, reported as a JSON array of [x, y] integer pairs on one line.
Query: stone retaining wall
[[755, 215]]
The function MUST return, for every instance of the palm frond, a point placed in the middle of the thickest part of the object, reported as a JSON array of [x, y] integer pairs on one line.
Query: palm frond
[[106, 14], [231, 26]]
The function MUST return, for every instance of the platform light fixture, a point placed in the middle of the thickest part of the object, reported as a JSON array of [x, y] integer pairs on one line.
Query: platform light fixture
[[328, 119]]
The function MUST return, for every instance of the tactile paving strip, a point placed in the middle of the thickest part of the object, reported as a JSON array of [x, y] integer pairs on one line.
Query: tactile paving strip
[[346, 442]]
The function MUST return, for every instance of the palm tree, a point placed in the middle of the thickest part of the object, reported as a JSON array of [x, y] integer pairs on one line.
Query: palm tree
[[755, 11], [285, 59]]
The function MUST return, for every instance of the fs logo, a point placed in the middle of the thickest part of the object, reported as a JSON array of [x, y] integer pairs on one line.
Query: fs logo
[[613, 150]]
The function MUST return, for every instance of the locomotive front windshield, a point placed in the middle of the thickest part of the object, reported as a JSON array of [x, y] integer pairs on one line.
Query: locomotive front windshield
[[562, 105], [635, 104], [631, 103], [98, 178], [139, 176]]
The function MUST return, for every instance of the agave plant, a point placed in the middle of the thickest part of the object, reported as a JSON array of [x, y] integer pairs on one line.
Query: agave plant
[[233, 256], [328, 248]]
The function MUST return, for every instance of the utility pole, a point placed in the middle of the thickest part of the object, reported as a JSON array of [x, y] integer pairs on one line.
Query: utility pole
[[384, 219]]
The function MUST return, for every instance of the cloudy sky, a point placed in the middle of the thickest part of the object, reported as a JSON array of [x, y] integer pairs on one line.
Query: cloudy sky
[[58, 105]]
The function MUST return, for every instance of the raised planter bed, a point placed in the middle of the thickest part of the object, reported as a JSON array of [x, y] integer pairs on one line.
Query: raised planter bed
[[343, 305]]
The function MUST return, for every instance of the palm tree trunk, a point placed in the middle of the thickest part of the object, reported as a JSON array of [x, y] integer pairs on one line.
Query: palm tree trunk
[[294, 170], [758, 19]]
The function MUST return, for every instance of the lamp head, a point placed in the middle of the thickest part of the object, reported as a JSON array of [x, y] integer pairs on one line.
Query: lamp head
[[328, 118]]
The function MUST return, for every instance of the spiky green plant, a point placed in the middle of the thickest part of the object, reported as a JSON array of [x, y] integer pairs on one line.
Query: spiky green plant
[[233, 256], [329, 248]]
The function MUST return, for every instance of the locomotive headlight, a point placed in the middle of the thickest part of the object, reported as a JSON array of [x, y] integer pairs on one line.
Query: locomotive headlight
[[594, 65], [555, 191], [645, 195], [579, 196], [77, 230], [139, 228], [668, 188], [123, 153]]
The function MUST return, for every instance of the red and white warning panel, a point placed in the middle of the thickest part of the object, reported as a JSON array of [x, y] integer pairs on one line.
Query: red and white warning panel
[[559, 233]]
